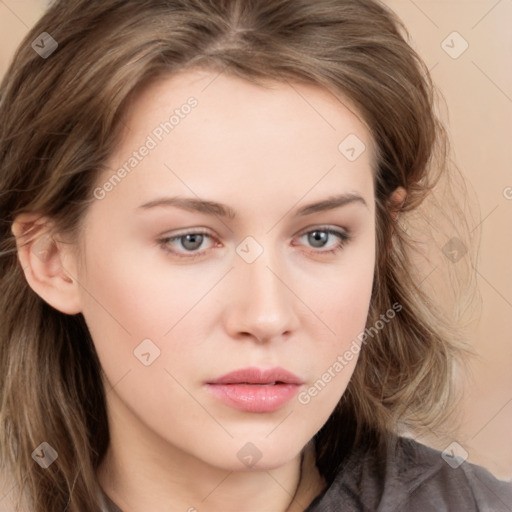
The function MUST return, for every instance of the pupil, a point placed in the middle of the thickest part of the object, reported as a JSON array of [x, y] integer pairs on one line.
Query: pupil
[[192, 241], [318, 238]]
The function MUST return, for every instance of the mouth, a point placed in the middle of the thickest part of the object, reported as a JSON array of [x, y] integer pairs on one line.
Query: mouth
[[255, 376], [256, 390]]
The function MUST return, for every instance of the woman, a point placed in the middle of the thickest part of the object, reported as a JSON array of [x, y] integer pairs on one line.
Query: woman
[[209, 302]]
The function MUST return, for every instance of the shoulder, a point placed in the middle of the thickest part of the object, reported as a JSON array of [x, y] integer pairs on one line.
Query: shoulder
[[410, 476], [441, 482]]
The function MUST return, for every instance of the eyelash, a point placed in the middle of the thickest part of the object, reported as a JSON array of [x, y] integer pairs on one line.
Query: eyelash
[[343, 239]]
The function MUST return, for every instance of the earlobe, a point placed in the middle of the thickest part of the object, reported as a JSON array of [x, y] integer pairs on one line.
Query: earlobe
[[44, 260], [397, 201]]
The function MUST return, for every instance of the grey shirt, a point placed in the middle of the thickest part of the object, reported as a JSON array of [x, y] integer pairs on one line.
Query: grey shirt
[[412, 477]]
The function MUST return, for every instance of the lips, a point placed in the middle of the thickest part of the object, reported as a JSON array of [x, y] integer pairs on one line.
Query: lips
[[258, 376], [255, 390]]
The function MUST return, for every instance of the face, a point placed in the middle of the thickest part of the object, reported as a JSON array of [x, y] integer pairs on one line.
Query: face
[[233, 233]]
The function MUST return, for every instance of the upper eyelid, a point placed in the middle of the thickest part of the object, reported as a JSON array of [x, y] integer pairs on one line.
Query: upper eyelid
[[345, 234], [303, 231], [321, 227]]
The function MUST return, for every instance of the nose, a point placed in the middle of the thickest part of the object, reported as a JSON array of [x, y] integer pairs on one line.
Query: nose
[[260, 304]]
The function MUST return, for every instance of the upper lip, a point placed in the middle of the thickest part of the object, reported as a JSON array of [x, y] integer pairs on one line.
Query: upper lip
[[255, 375]]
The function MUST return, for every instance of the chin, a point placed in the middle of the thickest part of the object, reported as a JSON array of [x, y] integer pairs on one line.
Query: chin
[[261, 455]]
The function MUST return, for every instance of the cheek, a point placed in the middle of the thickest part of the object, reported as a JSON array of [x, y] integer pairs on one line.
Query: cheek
[[341, 304], [342, 299], [123, 305], [136, 304], [138, 292], [333, 357], [344, 303]]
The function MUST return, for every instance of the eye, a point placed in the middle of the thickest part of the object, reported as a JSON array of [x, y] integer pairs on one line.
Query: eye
[[319, 238], [191, 243]]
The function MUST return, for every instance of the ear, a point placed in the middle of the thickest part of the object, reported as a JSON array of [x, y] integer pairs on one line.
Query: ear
[[397, 201], [49, 265]]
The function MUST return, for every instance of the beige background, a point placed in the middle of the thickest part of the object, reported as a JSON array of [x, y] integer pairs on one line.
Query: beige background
[[478, 88]]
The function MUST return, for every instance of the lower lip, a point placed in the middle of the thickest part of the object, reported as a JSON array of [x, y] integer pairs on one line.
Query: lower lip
[[254, 397]]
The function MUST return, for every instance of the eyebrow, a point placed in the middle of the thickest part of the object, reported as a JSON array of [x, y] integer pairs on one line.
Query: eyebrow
[[222, 210]]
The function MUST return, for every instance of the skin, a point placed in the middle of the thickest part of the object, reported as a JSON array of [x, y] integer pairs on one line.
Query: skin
[[264, 152]]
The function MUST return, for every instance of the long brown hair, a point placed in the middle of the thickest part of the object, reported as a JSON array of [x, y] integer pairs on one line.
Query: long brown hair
[[59, 121]]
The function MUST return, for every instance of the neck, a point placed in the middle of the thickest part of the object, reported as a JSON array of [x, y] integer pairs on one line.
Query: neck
[[287, 489], [151, 475]]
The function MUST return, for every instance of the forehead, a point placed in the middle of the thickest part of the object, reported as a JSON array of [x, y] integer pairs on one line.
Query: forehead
[[229, 102], [210, 132]]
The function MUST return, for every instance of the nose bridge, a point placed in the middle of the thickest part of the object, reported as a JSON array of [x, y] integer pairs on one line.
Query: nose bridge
[[266, 291], [261, 304]]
